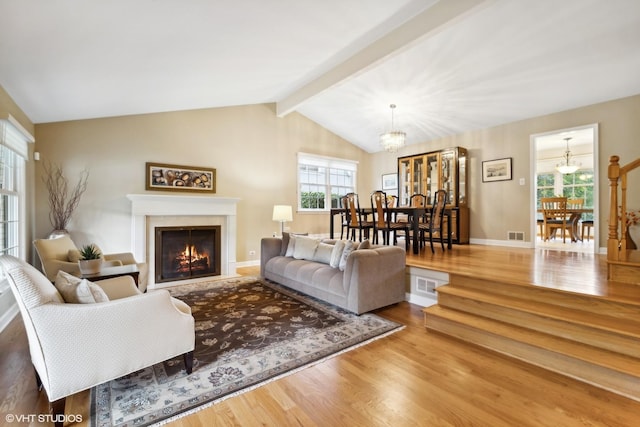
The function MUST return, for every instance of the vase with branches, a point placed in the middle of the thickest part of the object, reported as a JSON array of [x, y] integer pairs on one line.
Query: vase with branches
[[63, 200]]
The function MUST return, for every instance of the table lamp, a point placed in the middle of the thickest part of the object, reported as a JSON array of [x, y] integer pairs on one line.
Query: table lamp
[[282, 213]]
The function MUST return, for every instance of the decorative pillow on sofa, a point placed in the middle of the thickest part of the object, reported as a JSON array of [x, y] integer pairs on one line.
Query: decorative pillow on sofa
[[349, 247], [305, 247], [323, 253], [336, 254], [78, 291]]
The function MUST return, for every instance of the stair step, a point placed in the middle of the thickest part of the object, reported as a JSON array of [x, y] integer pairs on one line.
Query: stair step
[[622, 309], [577, 325], [618, 373]]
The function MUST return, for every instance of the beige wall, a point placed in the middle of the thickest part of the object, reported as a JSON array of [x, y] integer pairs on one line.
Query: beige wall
[[253, 151], [498, 207]]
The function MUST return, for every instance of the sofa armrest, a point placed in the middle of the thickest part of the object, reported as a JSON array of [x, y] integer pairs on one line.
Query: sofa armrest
[[375, 278], [269, 247]]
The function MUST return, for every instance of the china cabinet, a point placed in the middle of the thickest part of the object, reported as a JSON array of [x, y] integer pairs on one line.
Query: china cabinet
[[427, 173]]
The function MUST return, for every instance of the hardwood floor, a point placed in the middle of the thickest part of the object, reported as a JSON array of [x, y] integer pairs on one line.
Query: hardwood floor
[[412, 377]]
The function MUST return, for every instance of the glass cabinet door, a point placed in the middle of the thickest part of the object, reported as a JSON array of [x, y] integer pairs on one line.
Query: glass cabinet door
[[404, 174], [418, 175], [448, 175], [462, 177], [433, 180]]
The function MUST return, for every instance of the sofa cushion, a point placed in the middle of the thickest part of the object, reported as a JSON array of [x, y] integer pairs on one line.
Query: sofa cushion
[[305, 247], [75, 290]]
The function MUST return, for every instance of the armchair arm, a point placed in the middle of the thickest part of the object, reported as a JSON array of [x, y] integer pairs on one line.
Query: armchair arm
[[125, 258], [269, 247], [52, 266], [88, 344]]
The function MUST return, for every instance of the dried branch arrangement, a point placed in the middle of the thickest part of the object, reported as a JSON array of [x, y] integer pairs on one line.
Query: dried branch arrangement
[[62, 204]]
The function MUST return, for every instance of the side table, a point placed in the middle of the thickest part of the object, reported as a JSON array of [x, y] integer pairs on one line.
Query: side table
[[110, 272]]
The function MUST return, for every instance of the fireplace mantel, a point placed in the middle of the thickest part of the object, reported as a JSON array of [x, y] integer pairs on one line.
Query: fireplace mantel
[[144, 206]]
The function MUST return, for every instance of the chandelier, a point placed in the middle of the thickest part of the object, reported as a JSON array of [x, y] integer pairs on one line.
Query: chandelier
[[568, 166], [393, 139]]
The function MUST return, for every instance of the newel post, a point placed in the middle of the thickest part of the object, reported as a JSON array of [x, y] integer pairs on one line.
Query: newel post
[[613, 249]]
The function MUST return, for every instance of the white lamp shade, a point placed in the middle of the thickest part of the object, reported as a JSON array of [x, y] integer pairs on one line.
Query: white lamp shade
[[282, 213]]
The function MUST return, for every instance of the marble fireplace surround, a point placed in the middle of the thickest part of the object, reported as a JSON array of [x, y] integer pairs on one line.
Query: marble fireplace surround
[[162, 210]]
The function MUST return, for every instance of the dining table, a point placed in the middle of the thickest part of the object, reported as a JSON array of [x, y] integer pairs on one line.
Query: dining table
[[574, 217], [413, 216]]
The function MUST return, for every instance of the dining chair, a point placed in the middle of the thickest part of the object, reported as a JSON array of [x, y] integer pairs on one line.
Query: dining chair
[[383, 219], [356, 219], [554, 216], [434, 224], [574, 217], [344, 217]]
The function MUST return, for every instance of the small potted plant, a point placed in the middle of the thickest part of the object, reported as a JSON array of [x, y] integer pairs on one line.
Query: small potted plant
[[90, 259]]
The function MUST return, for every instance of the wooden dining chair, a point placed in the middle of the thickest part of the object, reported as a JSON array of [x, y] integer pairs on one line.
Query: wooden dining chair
[[356, 219], [344, 217], [434, 223], [574, 218], [554, 216]]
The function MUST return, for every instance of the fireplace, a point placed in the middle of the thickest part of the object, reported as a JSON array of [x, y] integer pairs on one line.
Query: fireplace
[[150, 211], [186, 252]]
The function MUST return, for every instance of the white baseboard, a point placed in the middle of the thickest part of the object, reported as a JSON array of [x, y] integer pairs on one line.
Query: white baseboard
[[251, 263], [420, 300]]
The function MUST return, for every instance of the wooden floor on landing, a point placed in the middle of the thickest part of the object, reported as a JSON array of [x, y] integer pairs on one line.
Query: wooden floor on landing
[[584, 273]]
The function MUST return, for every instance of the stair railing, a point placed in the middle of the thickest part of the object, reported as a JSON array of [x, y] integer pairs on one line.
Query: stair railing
[[617, 243]]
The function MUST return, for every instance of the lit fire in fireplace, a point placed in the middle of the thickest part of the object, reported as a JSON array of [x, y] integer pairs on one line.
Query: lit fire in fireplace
[[191, 259]]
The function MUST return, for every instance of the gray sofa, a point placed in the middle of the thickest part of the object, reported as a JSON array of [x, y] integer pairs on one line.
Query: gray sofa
[[367, 278]]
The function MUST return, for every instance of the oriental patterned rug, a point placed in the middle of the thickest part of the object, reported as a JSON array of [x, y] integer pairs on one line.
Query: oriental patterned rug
[[248, 332]]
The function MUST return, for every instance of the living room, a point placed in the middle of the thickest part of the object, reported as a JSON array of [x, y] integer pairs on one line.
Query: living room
[[254, 148]]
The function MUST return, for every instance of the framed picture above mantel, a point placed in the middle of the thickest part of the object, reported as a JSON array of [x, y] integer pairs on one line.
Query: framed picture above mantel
[[167, 177]]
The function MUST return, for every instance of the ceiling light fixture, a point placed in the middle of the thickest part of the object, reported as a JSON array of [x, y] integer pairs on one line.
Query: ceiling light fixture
[[568, 166], [393, 139]]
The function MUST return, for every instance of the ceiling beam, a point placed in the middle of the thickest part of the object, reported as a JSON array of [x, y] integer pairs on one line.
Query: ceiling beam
[[425, 24]]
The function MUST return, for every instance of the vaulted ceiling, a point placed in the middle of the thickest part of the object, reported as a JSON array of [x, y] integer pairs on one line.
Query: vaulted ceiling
[[450, 66]]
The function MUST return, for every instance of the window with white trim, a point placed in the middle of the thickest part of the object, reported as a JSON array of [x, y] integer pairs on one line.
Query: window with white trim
[[323, 180], [13, 154]]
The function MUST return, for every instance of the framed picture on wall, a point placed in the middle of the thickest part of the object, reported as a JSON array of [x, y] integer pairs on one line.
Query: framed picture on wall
[[164, 177], [497, 170], [390, 181]]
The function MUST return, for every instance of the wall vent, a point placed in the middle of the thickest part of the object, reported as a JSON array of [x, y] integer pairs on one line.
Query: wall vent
[[425, 285], [515, 235]]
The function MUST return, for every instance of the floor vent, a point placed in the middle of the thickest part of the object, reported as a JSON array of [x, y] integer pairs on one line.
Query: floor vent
[[515, 235], [425, 285]]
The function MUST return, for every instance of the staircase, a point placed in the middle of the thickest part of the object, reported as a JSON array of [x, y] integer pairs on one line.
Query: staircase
[[589, 338]]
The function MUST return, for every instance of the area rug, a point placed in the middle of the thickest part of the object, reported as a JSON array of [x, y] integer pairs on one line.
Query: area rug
[[248, 332]]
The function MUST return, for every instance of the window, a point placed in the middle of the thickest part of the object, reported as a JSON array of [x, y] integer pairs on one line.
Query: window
[[13, 152], [577, 185], [323, 180], [545, 186], [11, 178]]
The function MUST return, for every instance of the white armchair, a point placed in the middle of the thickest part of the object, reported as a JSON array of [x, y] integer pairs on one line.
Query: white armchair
[[77, 346], [61, 254]]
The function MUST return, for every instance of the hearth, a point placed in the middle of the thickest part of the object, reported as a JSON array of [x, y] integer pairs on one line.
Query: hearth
[[187, 252]]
